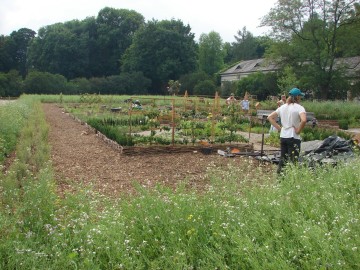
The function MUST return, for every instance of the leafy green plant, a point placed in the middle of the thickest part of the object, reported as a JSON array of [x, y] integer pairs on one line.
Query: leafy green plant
[[273, 139], [310, 134], [344, 124], [231, 138], [112, 132], [192, 128]]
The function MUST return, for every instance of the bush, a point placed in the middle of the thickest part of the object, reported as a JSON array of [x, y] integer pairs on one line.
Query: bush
[[206, 87], [344, 124], [45, 83]]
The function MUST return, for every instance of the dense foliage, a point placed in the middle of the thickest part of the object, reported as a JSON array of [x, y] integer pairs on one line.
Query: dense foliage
[[117, 52], [89, 48], [310, 36], [211, 53], [259, 84], [162, 51]]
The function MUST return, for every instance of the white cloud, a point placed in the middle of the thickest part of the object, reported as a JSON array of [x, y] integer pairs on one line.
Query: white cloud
[[224, 17]]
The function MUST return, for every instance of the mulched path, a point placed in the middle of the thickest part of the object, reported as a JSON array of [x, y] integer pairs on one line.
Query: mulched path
[[80, 156]]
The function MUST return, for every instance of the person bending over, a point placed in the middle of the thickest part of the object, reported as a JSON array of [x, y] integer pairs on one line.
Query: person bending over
[[231, 100]]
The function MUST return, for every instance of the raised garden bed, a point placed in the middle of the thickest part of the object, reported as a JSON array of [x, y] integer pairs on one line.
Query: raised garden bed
[[160, 149]]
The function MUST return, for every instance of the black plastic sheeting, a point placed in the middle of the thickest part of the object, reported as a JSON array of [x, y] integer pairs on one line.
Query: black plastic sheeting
[[332, 150]]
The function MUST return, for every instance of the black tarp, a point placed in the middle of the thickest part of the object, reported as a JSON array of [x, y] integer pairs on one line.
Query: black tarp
[[332, 150], [329, 151]]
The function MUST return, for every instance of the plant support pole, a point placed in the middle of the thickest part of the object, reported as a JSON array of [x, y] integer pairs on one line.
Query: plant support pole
[[173, 122]]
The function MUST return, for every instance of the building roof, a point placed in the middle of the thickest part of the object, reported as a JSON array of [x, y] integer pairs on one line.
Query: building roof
[[350, 64], [249, 66]]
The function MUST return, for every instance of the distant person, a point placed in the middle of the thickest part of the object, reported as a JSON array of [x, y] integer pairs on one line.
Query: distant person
[[314, 122], [245, 104], [136, 105], [281, 101], [231, 100], [293, 119]]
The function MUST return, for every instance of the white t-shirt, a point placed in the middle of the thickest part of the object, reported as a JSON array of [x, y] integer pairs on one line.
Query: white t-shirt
[[245, 104], [290, 117]]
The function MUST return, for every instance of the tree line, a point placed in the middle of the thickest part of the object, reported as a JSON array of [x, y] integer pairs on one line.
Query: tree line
[[117, 52]]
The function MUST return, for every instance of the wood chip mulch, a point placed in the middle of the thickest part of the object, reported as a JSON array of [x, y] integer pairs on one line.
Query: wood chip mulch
[[80, 156]]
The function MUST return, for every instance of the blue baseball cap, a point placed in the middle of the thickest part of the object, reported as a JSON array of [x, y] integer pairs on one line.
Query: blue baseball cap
[[296, 92]]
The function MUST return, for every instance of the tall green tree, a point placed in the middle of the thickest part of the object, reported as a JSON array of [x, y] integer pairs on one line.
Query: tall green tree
[[162, 51], [246, 47], [22, 39], [60, 50], [114, 33], [6, 58], [308, 34], [13, 50], [89, 48], [349, 36], [287, 80], [211, 53]]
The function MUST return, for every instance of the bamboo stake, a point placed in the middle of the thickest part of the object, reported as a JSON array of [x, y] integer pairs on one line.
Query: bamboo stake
[[213, 118], [130, 112], [173, 122], [185, 100]]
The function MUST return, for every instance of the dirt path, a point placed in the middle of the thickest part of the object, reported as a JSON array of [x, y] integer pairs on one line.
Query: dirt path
[[81, 156]]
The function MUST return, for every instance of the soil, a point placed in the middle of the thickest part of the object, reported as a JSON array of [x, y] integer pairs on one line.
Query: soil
[[81, 156]]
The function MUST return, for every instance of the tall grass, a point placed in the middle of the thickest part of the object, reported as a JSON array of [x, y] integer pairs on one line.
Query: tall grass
[[118, 99], [27, 192], [12, 117], [243, 219], [335, 110]]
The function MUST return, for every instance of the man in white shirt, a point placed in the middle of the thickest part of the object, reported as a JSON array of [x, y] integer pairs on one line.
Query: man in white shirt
[[293, 119], [245, 104]]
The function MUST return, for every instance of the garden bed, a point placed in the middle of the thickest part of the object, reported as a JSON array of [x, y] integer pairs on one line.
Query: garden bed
[[328, 123], [173, 149]]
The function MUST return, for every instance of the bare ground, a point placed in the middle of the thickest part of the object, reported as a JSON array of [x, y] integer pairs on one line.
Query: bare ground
[[80, 156]]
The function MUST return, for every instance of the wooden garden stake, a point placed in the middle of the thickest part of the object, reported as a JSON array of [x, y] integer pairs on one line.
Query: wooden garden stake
[[213, 118], [185, 100], [250, 118], [173, 122], [130, 112]]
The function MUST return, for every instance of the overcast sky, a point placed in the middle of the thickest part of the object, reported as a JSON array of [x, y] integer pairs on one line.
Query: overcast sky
[[225, 17]]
